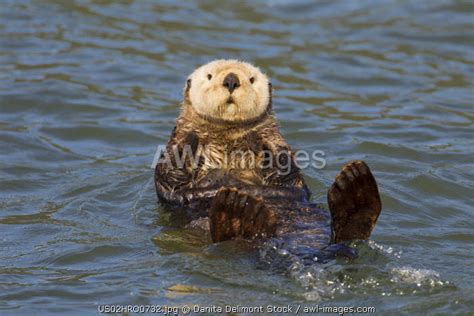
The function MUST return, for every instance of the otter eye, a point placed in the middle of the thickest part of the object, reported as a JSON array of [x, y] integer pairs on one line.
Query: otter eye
[[209, 76], [252, 79]]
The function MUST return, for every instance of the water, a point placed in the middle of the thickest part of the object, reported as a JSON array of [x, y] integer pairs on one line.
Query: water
[[88, 89]]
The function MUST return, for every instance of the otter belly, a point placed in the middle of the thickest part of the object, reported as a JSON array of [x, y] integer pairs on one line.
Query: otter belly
[[216, 178]]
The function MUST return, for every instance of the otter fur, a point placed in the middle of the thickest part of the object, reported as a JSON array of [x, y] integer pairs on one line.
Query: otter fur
[[226, 159]]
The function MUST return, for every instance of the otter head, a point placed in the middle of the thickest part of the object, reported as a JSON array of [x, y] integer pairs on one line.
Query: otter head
[[229, 90]]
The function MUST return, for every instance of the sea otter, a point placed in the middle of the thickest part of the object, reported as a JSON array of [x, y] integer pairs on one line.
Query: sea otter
[[227, 161]]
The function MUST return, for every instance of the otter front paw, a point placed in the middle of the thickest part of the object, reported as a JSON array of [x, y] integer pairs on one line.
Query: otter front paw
[[191, 140], [233, 214]]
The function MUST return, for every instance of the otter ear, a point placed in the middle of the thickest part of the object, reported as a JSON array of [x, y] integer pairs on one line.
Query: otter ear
[[188, 84]]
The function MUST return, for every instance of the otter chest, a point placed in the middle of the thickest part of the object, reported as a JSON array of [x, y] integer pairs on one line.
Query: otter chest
[[233, 159]]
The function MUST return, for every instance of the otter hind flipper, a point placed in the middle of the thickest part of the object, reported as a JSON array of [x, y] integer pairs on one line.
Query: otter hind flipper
[[354, 202], [236, 214]]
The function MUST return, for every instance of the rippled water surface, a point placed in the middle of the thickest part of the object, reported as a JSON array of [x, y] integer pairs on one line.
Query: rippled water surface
[[88, 89]]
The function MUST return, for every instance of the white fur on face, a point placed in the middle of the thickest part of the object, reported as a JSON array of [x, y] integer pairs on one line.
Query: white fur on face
[[210, 97]]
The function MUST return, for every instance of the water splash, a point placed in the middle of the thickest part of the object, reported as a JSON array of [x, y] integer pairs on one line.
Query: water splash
[[420, 277], [377, 271], [384, 249]]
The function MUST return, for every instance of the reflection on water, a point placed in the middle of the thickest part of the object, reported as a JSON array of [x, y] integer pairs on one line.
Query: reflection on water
[[88, 89]]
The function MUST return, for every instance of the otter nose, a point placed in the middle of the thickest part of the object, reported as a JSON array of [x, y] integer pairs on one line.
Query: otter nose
[[231, 82]]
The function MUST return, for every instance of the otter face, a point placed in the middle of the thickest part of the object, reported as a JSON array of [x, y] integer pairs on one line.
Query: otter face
[[229, 90]]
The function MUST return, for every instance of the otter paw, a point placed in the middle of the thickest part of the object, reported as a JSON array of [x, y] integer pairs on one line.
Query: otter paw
[[192, 140], [234, 214], [354, 202]]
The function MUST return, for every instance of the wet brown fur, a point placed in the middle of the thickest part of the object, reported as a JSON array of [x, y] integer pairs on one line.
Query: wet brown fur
[[253, 201], [224, 137]]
